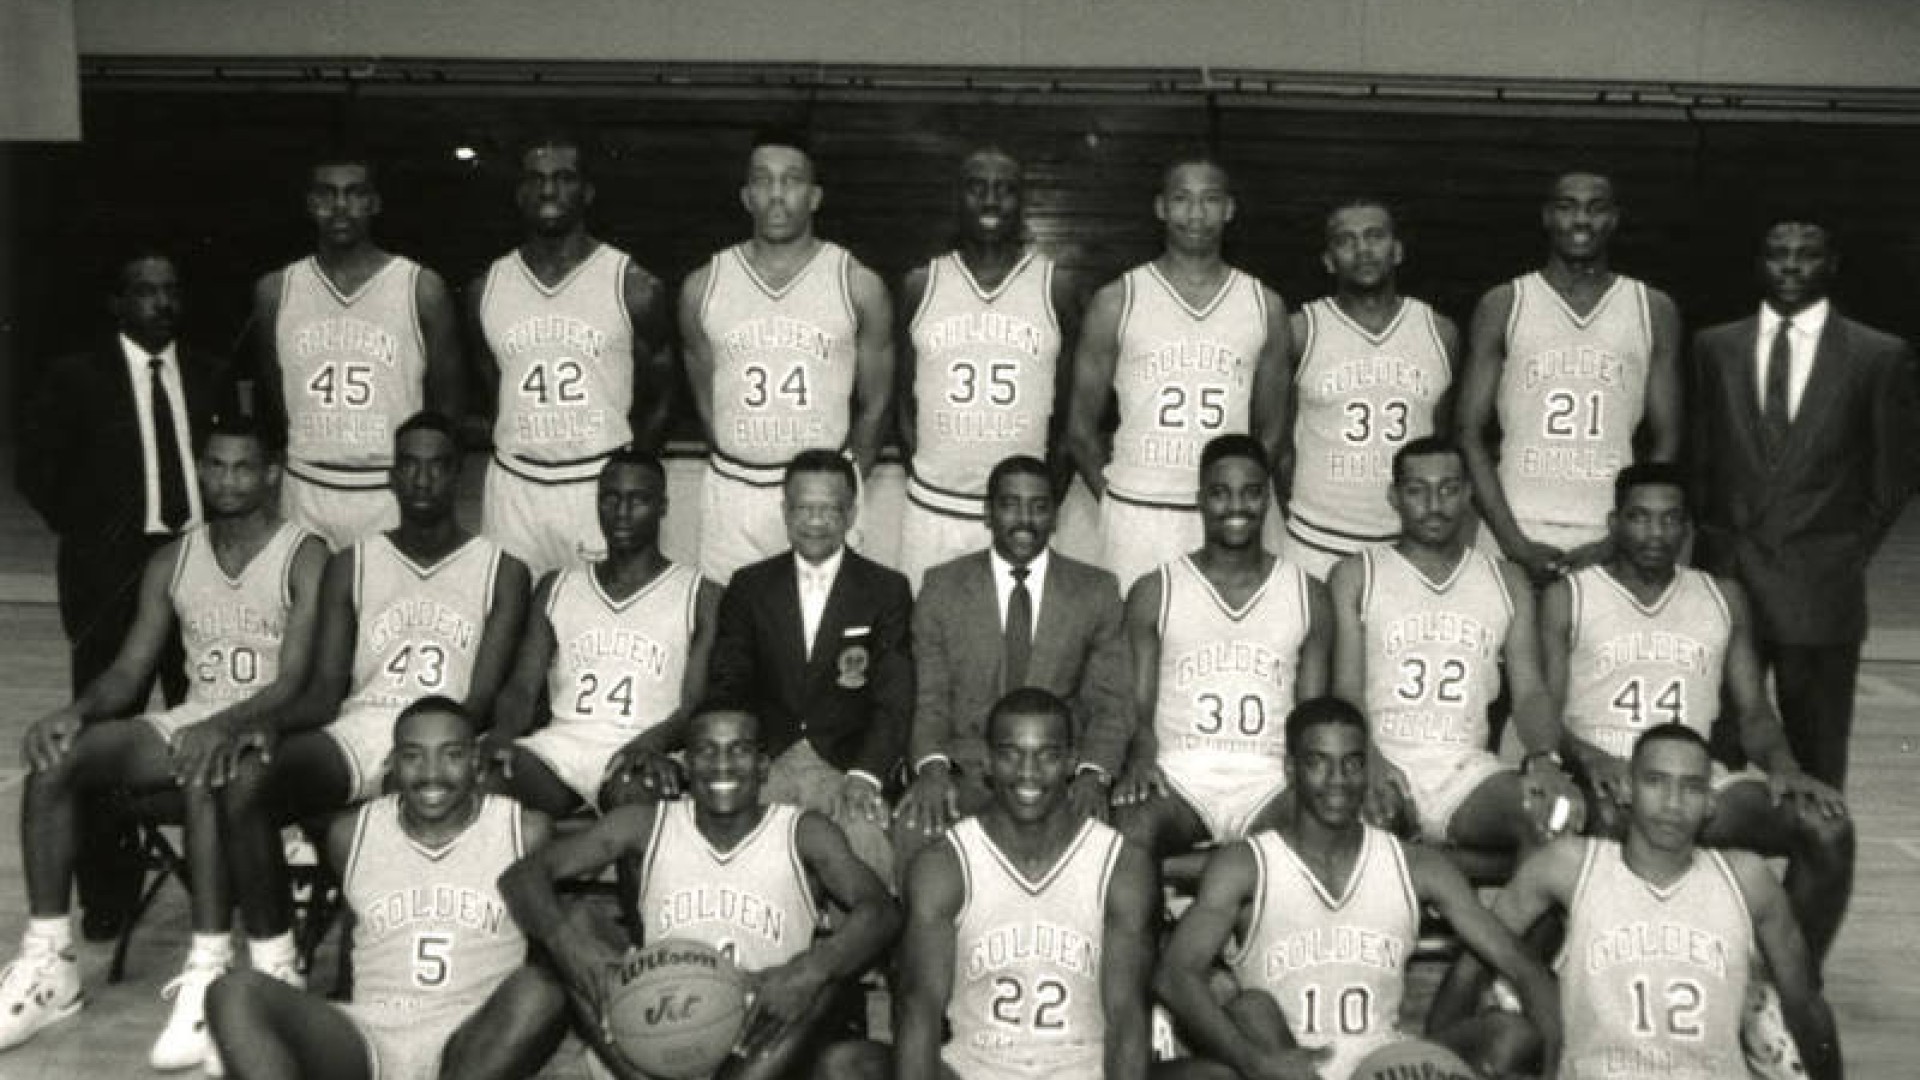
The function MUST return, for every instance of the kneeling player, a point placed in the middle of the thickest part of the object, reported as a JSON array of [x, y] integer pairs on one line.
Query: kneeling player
[[1422, 628], [442, 987], [1224, 640], [1318, 918], [770, 863]]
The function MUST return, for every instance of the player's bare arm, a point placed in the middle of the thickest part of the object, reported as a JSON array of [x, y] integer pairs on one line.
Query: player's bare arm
[[506, 615], [485, 365], [913, 290], [873, 367], [1284, 465], [1762, 737], [268, 404], [1141, 779], [1443, 406], [934, 893], [1544, 882], [1789, 965], [1271, 408], [645, 756], [1069, 298], [1094, 359], [446, 377], [649, 310], [521, 704], [1316, 649], [695, 349], [1131, 921], [1535, 715], [1478, 404], [1388, 797], [332, 674], [1665, 415], [1607, 774]]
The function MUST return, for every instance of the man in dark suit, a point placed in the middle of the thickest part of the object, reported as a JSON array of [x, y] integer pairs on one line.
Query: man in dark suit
[[969, 652], [1802, 453], [106, 457], [816, 641]]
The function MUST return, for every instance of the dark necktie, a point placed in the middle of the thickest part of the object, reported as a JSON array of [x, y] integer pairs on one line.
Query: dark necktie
[[1774, 420], [1019, 631], [174, 506]]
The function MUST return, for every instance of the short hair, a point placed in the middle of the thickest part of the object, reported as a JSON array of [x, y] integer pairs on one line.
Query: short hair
[[992, 150], [238, 425], [783, 135], [1196, 156], [1648, 474], [1363, 202], [636, 457], [345, 154], [428, 420], [822, 461], [1325, 709], [114, 275], [1030, 701], [556, 139], [439, 704], [1222, 447], [724, 706], [1669, 731], [1424, 446], [1017, 465], [1803, 215], [1581, 168]]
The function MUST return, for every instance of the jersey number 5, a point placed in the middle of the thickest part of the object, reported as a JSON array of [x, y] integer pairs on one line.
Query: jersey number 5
[[432, 959]]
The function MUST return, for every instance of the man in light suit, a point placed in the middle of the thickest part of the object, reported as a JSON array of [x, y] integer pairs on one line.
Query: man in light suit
[[815, 641], [1802, 453], [967, 655]]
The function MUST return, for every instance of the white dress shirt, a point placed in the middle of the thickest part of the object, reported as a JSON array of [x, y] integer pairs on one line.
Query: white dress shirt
[[1802, 340], [1003, 585], [815, 581], [137, 367]]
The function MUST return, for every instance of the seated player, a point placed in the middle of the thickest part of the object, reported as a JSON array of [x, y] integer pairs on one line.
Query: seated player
[[778, 860], [1422, 628], [1029, 930], [427, 608], [1663, 938], [1317, 919], [613, 654], [442, 986], [1639, 640], [244, 592], [1224, 640]]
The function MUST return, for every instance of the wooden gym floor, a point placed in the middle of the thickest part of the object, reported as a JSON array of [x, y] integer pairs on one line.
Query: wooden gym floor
[[1873, 977]]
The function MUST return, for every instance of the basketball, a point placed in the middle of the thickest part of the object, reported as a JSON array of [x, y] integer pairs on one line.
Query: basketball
[[1413, 1059], [676, 1009]]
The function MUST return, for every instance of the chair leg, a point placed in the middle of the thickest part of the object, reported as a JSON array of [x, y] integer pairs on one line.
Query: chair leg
[[161, 863]]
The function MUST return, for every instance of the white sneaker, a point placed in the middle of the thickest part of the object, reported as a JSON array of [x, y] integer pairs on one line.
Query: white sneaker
[[286, 973], [39, 989], [1771, 1052], [185, 1042]]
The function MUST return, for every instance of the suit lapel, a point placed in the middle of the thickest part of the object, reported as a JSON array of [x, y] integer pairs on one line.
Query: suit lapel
[[1823, 385], [1743, 383], [982, 609], [833, 617]]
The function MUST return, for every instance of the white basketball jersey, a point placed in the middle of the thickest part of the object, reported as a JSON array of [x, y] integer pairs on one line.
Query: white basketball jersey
[[1335, 964], [1358, 397], [985, 364], [565, 354], [1657, 977], [352, 367], [1184, 376], [1226, 674], [231, 627], [754, 903], [1026, 960], [1571, 395], [783, 359], [619, 663], [1634, 665], [434, 937], [1432, 653], [420, 626]]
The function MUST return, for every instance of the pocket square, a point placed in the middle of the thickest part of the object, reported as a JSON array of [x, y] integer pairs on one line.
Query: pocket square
[[856, 631]]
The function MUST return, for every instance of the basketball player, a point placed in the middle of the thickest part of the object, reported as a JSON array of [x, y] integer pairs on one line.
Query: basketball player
[[789, 347], [1224, 641], [1317, 919], [1571, 359], [424, 609], [352, 340], [1639, 640], [1029, 930], [442, 986], [1423, 628], [243, 590], [1372, 370], [720, 868], [1663, 938], [575, 339], [1192, 349], [987, 323], [616, 652]]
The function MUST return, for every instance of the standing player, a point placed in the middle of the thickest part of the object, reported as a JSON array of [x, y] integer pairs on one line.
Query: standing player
[[243, 591], [425, 609], [789, 347], [1639, 640], [1664, 938], [1572, 357], [988, 322], [1424, 627], [1224, 640], [1029, 931], [1192, 349], [1317, 920], [352, 340], [442, 986], [1371, 372], [575, 341], [614, 655], [720, 868]]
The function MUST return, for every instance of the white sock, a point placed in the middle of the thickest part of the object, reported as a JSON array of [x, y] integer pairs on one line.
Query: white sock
[[267, 954], [56, 931], [209, 950]]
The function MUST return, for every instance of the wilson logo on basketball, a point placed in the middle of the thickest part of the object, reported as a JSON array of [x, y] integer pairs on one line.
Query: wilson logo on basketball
[[655, 959]]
